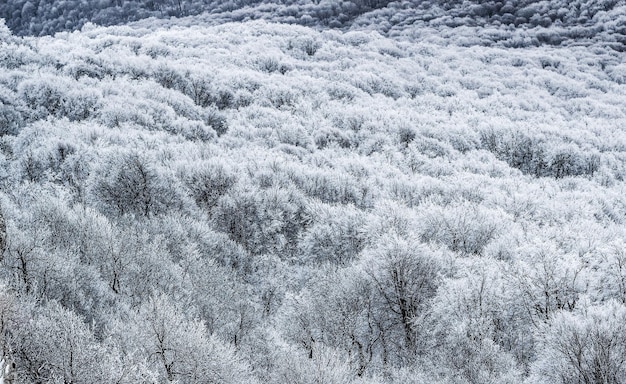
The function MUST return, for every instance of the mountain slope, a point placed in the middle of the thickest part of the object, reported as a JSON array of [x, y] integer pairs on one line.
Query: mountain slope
[[259, 202]]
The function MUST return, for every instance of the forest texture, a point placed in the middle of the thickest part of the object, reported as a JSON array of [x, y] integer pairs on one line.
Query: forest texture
[[261, 202]]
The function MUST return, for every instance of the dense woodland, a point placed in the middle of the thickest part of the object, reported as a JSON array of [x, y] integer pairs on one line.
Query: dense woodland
[[516, 23], [188, 201]]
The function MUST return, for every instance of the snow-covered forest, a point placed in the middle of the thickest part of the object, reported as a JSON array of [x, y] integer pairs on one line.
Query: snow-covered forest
[[313, 192]]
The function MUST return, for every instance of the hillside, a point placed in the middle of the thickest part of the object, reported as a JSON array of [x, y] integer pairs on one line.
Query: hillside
[[262, 202]]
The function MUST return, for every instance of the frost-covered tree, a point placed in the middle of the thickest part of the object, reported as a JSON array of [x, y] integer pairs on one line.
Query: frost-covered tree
[[469, 320], [130, 183], [405, 277], [53, 344], [178, 347], [586, 347]]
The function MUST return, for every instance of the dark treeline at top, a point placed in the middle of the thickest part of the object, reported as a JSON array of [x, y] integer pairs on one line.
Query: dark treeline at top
[[549, 22], [45, 17]]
